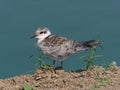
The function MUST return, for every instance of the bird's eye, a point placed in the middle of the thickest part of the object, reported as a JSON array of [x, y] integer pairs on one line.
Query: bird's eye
[[43, 32]]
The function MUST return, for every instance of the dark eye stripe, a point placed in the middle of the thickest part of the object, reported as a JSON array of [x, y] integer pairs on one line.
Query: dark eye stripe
[[43, 32]]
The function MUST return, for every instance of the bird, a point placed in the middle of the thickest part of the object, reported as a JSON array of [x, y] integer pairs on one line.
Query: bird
[[58, 48]]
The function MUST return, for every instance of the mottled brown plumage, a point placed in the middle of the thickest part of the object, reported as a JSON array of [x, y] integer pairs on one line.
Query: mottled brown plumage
[[57, 47]]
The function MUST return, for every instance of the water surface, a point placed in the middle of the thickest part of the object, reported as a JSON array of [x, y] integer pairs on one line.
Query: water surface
[[76, 19]]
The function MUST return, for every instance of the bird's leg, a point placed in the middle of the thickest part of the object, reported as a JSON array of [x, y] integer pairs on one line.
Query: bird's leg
[[61, 64], [54, 62], [59, 67]]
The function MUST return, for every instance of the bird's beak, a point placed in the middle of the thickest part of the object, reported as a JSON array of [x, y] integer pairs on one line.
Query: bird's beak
[[34, 36]]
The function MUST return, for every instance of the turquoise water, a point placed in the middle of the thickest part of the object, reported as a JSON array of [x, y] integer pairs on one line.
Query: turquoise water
[[77, 19]]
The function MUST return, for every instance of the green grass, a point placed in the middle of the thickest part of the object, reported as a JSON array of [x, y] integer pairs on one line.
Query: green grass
[[90, 58], [42, 64], [102, 82], [107, 66], [27, 87]]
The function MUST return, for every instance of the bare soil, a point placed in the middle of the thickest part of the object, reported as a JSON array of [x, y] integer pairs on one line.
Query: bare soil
[[96, 78]]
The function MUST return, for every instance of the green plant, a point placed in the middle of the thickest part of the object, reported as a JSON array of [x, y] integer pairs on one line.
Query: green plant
[[44, 66], [102, 82], [90, 58], [109, 66], [27, 87], [41, 62], [106, 65]]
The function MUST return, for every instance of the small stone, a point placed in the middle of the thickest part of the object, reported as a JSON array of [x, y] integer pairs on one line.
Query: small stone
[[54, 76], [113, 65], [59, 71]]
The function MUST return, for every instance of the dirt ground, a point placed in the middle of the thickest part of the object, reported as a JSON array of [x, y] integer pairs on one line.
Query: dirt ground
[[96, 78]]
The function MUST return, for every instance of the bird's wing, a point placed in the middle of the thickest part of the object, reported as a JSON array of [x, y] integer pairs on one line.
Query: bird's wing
[[54, 40], [55, 46], [61, 45]]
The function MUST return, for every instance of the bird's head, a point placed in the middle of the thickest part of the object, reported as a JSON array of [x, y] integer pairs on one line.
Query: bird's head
[[41, 33]]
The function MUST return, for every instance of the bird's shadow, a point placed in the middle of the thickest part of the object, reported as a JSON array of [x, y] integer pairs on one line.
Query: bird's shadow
[[78, 70]]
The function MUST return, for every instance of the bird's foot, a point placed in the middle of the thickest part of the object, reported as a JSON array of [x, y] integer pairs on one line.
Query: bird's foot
[[58, 68]]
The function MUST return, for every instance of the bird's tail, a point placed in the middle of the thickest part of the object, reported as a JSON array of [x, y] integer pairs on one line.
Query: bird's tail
[[89, 44]]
